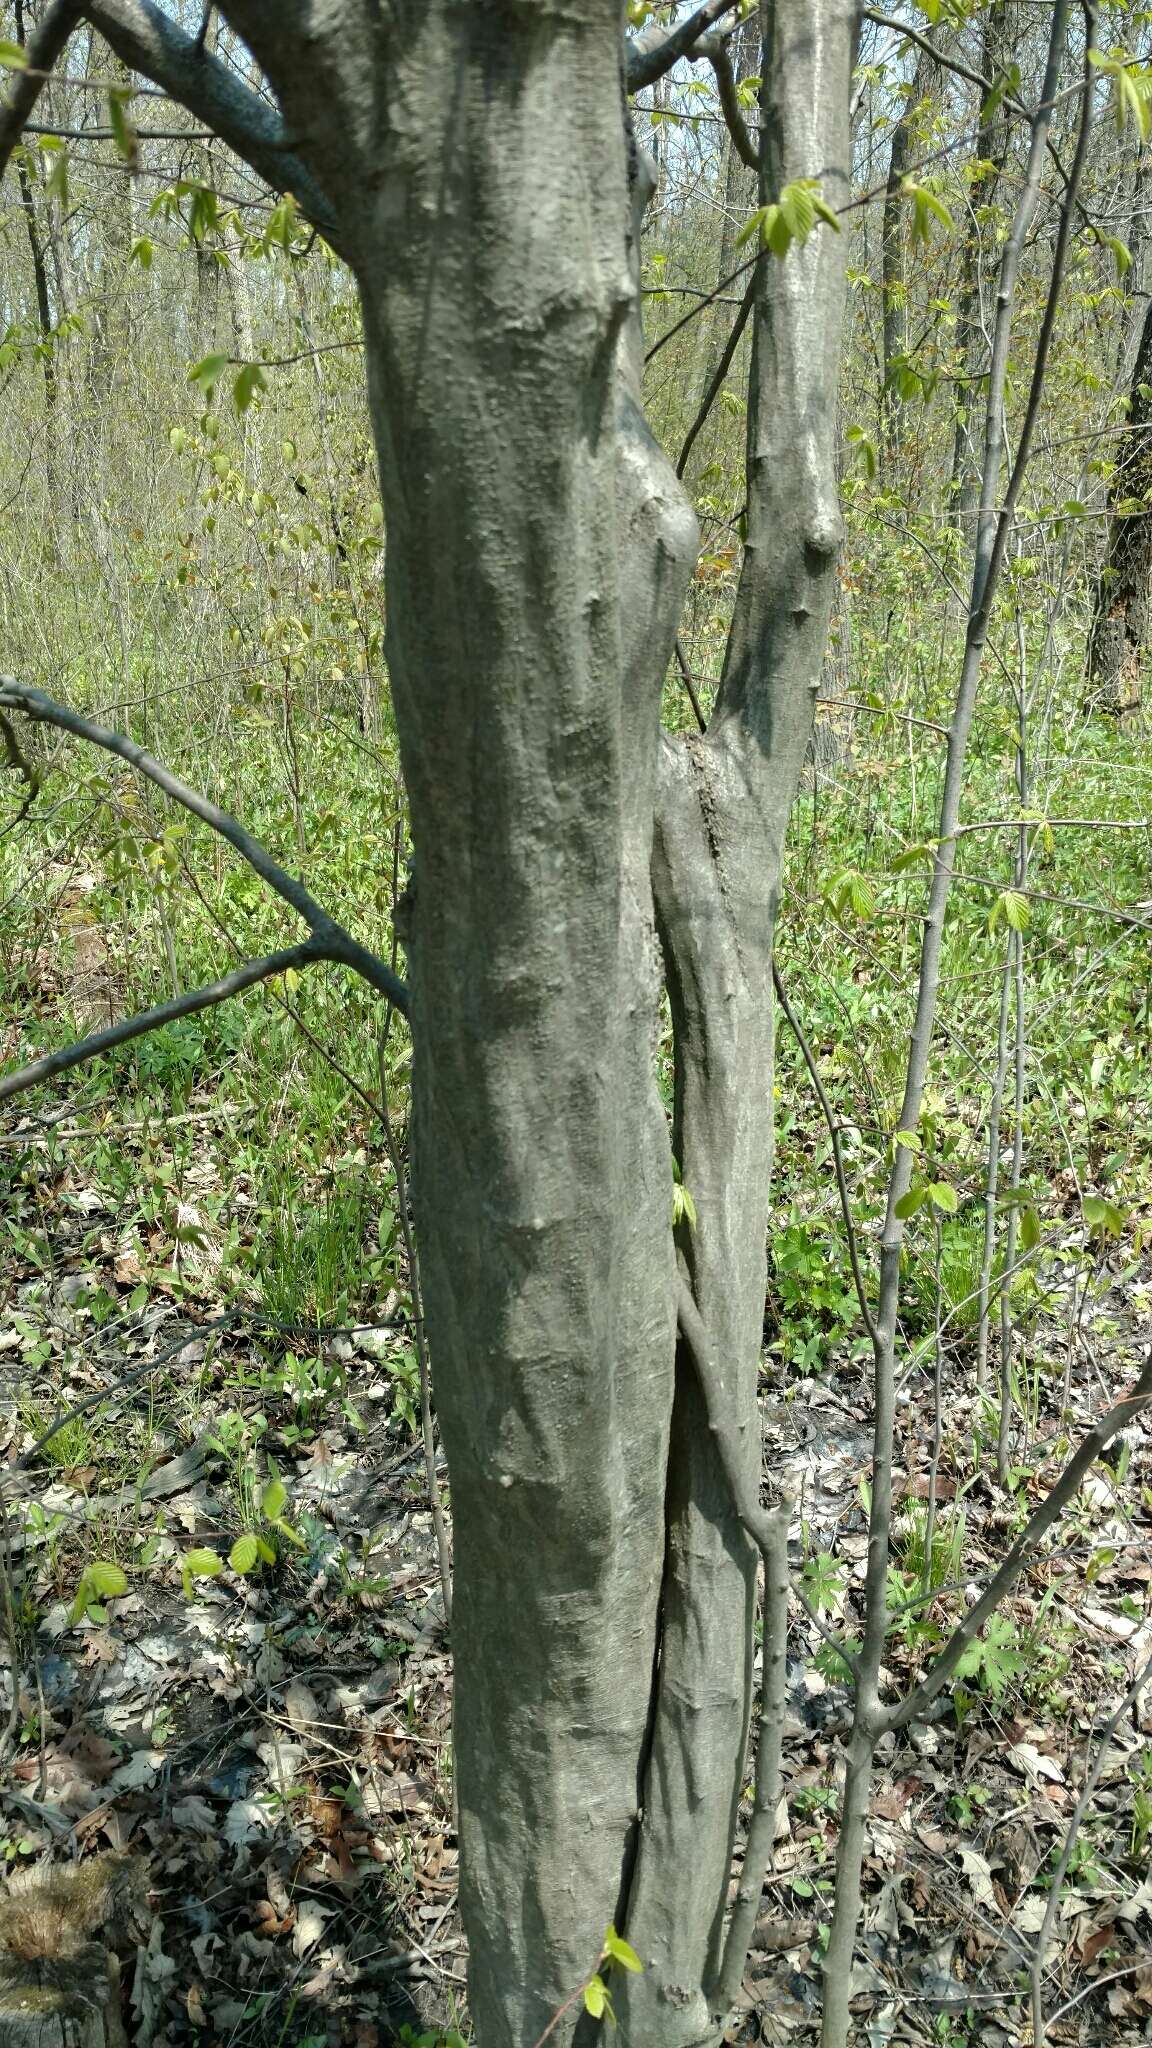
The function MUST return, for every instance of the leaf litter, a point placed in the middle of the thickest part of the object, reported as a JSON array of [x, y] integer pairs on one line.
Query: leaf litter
[[276, 1744]]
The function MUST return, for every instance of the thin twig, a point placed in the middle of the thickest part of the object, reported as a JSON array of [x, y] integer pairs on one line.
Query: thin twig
[[338, 945], [1039, 1522], [26, 85], [833, 1125], [717, 378], [1056, 1881]]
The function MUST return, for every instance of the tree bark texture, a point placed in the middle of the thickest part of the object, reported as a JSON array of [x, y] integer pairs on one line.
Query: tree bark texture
[[474, 164], [74, 2003], [723, 808]]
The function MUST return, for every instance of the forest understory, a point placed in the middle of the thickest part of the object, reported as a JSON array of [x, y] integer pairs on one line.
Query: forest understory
[[225, 1513]]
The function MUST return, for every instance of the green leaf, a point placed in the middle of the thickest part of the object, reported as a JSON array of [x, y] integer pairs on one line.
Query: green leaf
[[912, 857], [12, 57], [926, 206], [250, 380], [266, 1549], [1029, 1229], [865, 448], [207, 373], [274, 1499], [823, 1580], [107, 1581], [621, 1951], [141, 252], [596, 1999], [852, 891], [57, 182], [754, 225], [1103, 1216], [995, 1660], [1012, 909], [1008, 81], [123, 134], [909, 1141], [1121, 253], [244, 1555], [911, 1202], [943, 1197], [203, 1564]]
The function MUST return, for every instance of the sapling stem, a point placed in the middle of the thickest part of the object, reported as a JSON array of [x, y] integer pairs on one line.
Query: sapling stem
[[993, 528]]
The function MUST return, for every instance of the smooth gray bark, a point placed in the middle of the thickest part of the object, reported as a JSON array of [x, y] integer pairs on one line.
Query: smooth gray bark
[[473, 163], [724, 805]]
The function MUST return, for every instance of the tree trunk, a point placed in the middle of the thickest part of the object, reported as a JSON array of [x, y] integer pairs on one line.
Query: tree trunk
[[538, 552], [74, 2003], [36, 249], [478, 167], [724, 804], [894, 254], [1122, 621], [971, 333]]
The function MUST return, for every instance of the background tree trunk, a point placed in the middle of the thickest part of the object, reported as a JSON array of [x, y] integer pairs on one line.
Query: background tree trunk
[[1122, 619], [971, 333], [894, 253]]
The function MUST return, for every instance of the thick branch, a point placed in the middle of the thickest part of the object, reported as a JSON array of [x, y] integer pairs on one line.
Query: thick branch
[[652, 54], [336, 944], [25, 86], [187, 1005], [149, 41], [716, 51]]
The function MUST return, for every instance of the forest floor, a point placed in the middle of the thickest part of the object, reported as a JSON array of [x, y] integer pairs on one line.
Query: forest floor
[[274, 1741]]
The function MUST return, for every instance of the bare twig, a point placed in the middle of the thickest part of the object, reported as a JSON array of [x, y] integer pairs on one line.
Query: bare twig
[[833, 1125], [1056, 1882], [993, 529], [187, 1005], [716, 380], [769, 1742], [427, 1431]]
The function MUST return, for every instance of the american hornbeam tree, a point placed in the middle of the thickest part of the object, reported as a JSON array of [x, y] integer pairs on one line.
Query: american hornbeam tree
[[474, 166], [595, 1361]]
